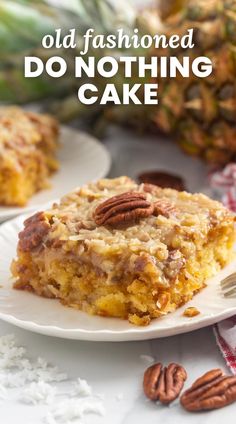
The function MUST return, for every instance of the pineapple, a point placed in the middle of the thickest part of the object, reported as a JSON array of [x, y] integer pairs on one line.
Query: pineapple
[[202, 112], [23, 23]]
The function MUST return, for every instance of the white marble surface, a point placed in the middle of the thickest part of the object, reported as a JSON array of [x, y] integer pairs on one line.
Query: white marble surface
[[116, 369]]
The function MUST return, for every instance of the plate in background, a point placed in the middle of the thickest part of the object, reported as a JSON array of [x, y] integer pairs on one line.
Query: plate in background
[[49, 317], [82, 158], [134, 153]]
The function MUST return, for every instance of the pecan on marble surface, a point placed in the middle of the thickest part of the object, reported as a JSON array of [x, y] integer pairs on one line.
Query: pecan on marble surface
[[164, 384], [123, 208], [211, 391]]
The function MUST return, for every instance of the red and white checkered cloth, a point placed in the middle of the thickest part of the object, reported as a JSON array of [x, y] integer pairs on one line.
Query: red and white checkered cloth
[[224, 183], [225, 333]]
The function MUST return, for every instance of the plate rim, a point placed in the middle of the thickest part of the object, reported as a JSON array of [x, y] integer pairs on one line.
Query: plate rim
[[109, 335]]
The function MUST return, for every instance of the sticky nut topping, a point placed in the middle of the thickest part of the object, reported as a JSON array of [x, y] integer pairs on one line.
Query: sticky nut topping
[[164, 384], [164, 207]]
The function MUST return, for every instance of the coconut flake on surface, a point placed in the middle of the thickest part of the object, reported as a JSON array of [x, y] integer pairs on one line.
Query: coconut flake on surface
[[14, 379], [74, 409], [10, 354], [147, 358], [34, 378], [48, 373], [82, 388], [40, 392], [17, 370]]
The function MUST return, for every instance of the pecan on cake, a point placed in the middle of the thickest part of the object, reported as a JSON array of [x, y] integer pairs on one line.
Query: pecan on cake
[[28, 143], [115, 248]]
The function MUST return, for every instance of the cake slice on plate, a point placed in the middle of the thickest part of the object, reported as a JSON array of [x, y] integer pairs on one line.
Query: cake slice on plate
[[28, 145], [115, 248]]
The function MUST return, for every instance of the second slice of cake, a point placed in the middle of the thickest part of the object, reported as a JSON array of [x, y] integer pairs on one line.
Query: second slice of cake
[[28, 146], [116, 248]]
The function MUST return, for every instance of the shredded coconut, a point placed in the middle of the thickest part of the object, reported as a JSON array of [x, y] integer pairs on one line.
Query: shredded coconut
[[34, 378], [147, 358], [82, 388], [10, 355], [40, 392], [73, 409], [48, 373], [16, 370]]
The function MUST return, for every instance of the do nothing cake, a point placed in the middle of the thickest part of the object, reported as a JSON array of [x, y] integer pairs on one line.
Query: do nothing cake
[[119, 249]]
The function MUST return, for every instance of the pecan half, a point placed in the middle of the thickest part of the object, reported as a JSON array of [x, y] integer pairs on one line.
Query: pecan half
[[211, 391], [123, 208], [164, 384], [151, 188], [164, 207], [36, 228]]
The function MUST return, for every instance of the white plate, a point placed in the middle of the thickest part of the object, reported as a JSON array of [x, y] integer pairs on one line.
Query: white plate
[[82, 158], [47, 316]]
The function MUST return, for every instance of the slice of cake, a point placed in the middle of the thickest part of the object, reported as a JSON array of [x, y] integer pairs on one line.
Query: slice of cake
[[28, 144], [116, 248]]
